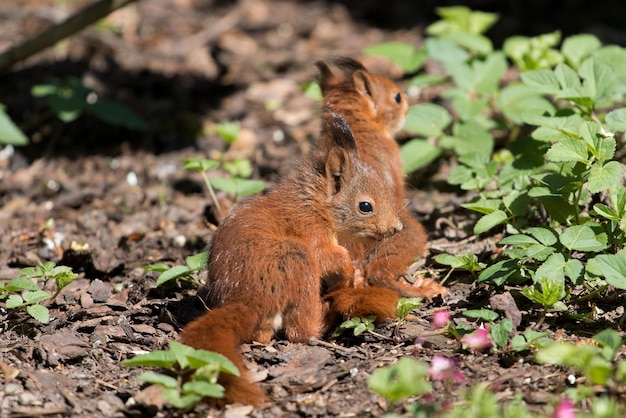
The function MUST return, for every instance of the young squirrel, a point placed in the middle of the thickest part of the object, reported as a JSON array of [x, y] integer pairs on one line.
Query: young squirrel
[[376, 109], [273, 256]]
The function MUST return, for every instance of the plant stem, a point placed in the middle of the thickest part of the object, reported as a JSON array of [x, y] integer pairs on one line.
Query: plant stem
[[216, 204]]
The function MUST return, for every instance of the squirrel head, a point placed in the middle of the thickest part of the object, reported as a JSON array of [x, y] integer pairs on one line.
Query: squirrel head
[[385, 101], [360, 204]]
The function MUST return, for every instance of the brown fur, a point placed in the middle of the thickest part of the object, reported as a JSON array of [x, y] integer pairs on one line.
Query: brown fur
[[376, 109], [275, 255]]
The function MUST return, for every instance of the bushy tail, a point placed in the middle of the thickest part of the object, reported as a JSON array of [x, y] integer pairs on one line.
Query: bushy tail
[[222, 330], [346, 303]]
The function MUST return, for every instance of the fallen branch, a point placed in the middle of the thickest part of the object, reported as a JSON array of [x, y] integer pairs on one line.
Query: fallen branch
[[56, 33]]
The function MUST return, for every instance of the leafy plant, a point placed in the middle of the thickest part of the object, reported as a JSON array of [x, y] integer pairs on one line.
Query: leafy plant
[[191, 374], [68, 99], [194, 264], [23, 292], [10, 134], [542, 153], [357, 325], [407, 377]]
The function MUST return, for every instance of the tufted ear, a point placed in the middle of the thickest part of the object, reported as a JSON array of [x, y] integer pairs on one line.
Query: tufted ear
[[347, 65], [326, 77], [337, 166], [339, 130]]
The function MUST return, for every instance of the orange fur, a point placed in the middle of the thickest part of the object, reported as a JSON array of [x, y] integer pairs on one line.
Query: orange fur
[[376, 109], [273, 257]]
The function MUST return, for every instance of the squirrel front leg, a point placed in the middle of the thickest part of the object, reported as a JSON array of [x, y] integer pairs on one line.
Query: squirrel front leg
[[392, 256]]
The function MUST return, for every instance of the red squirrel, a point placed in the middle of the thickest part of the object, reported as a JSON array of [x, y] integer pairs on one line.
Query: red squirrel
[[272, 257], [376, 109]]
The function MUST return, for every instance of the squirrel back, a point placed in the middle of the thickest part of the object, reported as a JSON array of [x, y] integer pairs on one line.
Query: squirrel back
[[273, 256]]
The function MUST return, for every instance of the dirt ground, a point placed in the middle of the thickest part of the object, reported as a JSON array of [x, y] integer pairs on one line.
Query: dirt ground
[[120, 200]]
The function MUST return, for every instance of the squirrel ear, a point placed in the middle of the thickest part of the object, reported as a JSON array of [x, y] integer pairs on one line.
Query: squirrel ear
[[362, 82], [337, 167], [326, 76]]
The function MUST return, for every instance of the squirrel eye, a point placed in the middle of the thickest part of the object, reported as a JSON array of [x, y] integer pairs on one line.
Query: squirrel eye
[[366, 207], [397, 97]]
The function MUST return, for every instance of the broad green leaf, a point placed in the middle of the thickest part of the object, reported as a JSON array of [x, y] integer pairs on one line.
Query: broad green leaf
[[181, 352], [198, 261], [241, 167], [599, 78], [557, 353], [473, 42], [517, 99], [158, 267], [446, 51], [39, 312], [64, 278], [228, 131], [200, 164], [578, 47], [606, 212], [568, 149], [313, 90], [427, 119], [21, 283], [402, 54], [613, 268], [117, 114], [500, 332], [14, 301], [159, 358], [546, 292], [489, 221], [484, 314], [35, 296], [461, 19], [483, 205], [519, 240], [580, 238], [545, 236], [501, 272], [418, 153], [461, 261], [237, 186], [158, 379], [407, 377], [472, 139], [553, 268], [616, 119], [610, 338], [212, 390], [603, 176], [568, 79], [543, 81], [574, 269], [406, 305], [10, 134], [181, 402], [198, 358], [173, 273]]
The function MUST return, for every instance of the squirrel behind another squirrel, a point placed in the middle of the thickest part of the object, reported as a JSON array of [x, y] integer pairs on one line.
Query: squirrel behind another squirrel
[[376, 108], [273, 257]]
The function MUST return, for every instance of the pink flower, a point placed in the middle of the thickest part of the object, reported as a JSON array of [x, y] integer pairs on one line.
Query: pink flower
[[440, 319], [478, 340], [564, 409], [444, 368]]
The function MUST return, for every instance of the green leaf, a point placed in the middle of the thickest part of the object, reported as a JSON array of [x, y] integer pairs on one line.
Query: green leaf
[[610, 338], [407, 377], [557, 353], [200, 164], [181, 402], [500, 332], [181, 352], [603, 176], [449, 53], [489, 221], [32, 297], [544, 81], [418, 153], [461, 19], [402, 54], [427, 119], [578, 47], [228, 131], [501, 272], [545, 236], [10, 134], [238, 186], [460, 261], [21, 283], [616, 119], [39, 312], [158, 379], [158, 267], [313, 90], [241, 167], [484, 314], [406, 305], [553, 268], [599, 78], [198, 261], [546, 292], [202, 388], [568, 149], [173, 273], [517, 99], [116, 114], [64, 278], [197, 358], [159, 358], [14, 301], [613, 267], [581, 238]]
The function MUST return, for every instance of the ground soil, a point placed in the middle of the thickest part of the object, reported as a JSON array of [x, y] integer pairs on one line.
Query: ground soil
[[107, 201]]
